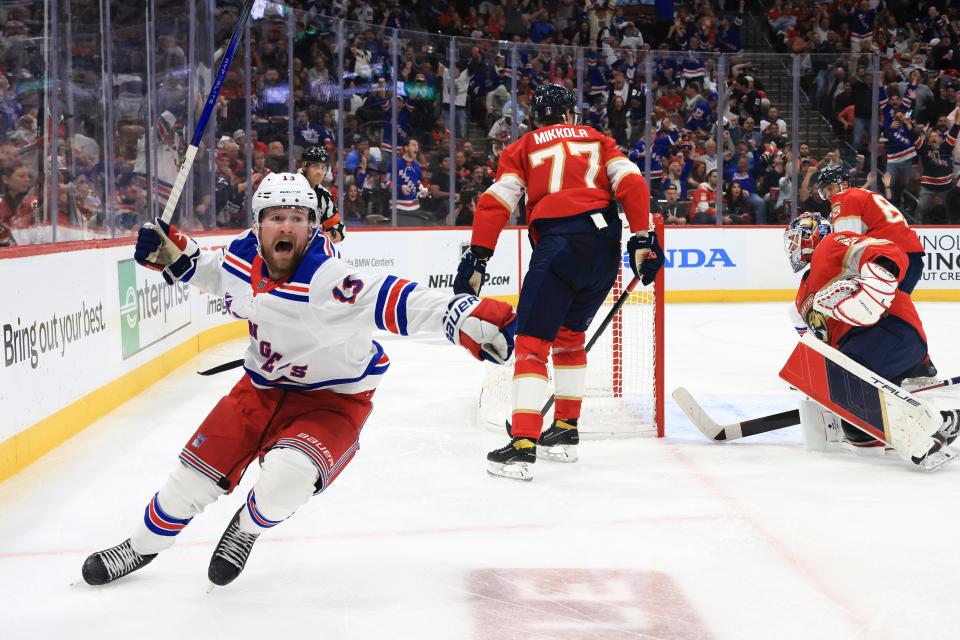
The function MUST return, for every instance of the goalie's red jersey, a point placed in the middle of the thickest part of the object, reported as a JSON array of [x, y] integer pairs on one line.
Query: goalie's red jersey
[[841, 255], [869, 213], [565, 170]]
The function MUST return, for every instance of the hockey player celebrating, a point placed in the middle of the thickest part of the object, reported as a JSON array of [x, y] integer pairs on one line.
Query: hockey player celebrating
[[314, 166], [311, 370], [570, 173], [849, 298], [870, 214]]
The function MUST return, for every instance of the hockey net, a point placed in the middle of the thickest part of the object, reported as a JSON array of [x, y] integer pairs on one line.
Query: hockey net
[[624, 390]]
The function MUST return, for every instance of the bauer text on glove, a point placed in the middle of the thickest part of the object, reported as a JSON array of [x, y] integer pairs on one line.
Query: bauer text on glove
[[485, 328]]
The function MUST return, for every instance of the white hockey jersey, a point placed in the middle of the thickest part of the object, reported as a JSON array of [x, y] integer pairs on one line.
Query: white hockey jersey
[[315, 330]]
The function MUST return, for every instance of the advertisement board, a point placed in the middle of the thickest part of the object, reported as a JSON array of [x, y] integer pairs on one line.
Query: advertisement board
[[76, 321]]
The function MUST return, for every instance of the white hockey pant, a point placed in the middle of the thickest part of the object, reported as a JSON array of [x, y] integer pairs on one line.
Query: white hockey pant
[[287, 480]]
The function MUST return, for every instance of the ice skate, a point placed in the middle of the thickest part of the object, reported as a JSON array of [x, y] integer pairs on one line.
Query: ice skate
[[231, 553], [940, 453], [513, 460], [108, 565], [858, 443], [559, 442], [924, 375]]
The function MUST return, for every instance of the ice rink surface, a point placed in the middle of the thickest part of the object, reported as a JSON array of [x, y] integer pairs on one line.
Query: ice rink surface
[[679, 538]]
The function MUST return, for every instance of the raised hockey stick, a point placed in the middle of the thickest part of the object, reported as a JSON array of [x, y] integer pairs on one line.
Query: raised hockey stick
[[622, 300], [736, 430], [207, 111]]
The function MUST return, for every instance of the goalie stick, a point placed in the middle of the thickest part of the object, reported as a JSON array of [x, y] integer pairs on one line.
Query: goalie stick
[[736, 430]]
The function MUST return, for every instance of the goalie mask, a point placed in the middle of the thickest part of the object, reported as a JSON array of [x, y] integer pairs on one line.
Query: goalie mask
[[802, 237]]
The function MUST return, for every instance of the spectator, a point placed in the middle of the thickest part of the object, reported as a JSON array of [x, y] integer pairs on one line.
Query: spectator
[[703, 201], [277, 159], [773, 117], [499, 134], [617, 121], [673, 177], [901, 148], [936, 160], [409, 187], [10, 110], [744, 176], [671, 208], [462, 80], [736, 207], [16, 207]]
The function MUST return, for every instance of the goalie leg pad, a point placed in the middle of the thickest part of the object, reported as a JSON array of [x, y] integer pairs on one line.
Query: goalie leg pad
[[569, 373], [185, 494], [287, 480], [818, 425], [869, 402]]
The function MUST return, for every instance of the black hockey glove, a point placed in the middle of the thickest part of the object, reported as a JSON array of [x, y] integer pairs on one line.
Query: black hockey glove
[[646, 256], [470, 271]]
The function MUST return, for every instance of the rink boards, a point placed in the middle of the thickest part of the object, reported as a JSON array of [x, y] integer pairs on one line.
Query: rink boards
[[85, 328]]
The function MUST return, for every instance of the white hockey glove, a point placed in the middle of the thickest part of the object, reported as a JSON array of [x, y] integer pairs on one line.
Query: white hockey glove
[[164, 248], [485, 328], [860, 300]]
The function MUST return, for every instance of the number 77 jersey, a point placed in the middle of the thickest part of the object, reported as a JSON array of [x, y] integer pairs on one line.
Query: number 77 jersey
[[565, 170], [869, 214]]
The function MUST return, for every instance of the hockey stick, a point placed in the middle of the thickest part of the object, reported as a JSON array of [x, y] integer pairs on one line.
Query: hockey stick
[[622, 300], [736, 430], [207, 111]]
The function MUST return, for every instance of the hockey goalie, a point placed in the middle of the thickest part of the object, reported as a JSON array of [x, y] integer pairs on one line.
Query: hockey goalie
[[861, 337]]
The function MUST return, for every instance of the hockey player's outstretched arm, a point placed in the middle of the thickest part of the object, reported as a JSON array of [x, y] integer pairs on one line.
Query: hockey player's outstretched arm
[[342, 297]]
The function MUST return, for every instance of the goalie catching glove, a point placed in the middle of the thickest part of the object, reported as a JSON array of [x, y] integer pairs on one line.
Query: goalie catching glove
[[646, 256], [164, 248], [485, 328], [860, 300]]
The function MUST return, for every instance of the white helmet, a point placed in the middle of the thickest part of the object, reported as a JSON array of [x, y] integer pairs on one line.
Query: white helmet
[[284, 189]]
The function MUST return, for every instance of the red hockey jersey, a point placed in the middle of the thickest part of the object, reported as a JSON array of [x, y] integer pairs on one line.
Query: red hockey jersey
[[565, 170], [869, 213], [841, 255]]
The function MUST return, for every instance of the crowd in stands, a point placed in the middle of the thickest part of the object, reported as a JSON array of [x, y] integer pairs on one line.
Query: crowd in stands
[[746, 163], [919, 75]]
